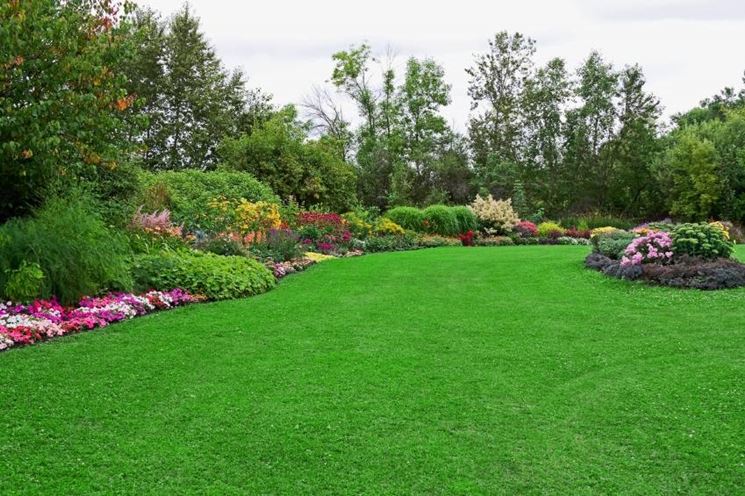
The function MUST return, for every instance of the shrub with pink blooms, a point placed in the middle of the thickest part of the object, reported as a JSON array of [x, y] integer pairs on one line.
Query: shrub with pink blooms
[[655, 247], [526, 229]]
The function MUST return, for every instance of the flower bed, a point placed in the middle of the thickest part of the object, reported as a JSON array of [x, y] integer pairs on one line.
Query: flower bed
[[45, 319]]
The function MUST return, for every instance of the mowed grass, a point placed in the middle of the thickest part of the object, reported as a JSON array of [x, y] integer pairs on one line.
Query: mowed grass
[[509, 370]]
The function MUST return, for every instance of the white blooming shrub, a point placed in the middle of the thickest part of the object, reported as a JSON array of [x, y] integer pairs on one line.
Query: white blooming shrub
[[496, 216]]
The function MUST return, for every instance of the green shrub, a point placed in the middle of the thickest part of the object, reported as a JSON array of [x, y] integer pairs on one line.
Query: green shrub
[[611, 244], [187, 193], [592, 221], [440, 219], [77, 254], [407, 217], [390, 243], [25, 283], [222, 246], [701, 240], [467, 220], [549, 228], [214, 276]]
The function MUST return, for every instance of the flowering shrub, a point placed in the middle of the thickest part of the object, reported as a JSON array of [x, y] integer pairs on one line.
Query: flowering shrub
[[721, 227], [282, 269], [495, 214], [655, 247], [44, 319], [359, 227], [386, 226], [280, 245], [578, 233], [249, 219], [526, 229], [324, 232], [604, 230], [466, 238], [157, 223], [701, 240], [550, 229]]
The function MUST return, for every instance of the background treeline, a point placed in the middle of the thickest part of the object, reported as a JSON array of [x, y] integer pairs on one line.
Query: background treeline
[[93, 92]]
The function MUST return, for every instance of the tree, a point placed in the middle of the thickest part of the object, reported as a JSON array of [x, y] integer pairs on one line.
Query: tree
[[590, 126], [279, 154], [61, 96], [497, 82], [189, 99]]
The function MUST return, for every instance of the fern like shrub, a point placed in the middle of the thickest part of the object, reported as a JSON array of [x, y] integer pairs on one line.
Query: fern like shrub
[[214, 276], [69, 242], [467, 220], [410, 218], [440, 219]]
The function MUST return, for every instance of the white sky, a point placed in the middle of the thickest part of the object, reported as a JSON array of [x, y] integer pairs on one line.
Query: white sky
[[689, 49]]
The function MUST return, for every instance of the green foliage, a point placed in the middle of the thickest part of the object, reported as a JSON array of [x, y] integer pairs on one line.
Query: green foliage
[[190, 100], [76, 252], [440, 219], [279, 154], [223, 246], [360, 223], [548, 228], [375, 244], [701, 240], [279, 245], [410, 218], [592, 221], [62, 99], [25, 283], [214, 276], [467, 220], [612, 244], [187, 193]]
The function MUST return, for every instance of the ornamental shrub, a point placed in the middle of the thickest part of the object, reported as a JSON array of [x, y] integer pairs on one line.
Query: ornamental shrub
[[390, 243], [440, 219], [493, 241], [655, 247], [550, 229], [78, 255], [434, 241], [612, 244], [467, 220], [701, 240], [407, 217], [357, 225], [386, 227], [526, 229], [280, 245], [186, 193], [495, 215], [214, 276]]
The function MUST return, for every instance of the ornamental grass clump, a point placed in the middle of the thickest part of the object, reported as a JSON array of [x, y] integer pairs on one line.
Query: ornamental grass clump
[[496, 216], [656, 247]]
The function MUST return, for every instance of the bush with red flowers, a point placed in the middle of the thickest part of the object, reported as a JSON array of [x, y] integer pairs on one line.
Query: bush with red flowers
[[526, 229], [466, 238]]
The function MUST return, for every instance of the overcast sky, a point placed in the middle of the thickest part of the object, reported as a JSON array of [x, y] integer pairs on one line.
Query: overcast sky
[[689, 49]]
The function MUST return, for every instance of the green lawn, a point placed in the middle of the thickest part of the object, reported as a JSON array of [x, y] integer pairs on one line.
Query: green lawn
[[509, 370]]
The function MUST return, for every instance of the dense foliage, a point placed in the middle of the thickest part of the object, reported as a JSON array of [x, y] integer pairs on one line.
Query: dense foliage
[[74, 252], [216, 277]]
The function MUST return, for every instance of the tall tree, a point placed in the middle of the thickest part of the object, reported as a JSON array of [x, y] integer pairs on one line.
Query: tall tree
[[62, 97], [497, 82]]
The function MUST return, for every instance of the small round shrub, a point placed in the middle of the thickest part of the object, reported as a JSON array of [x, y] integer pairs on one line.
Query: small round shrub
[[612, 244], [493, 241], [214, 276], [467, 220], [410, 218], [526, 229], [701, 240], [386, 227], [440, 219], [389, 243], [550, 229]]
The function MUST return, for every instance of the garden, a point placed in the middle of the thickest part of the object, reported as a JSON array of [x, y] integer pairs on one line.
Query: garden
[[203, 292]]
